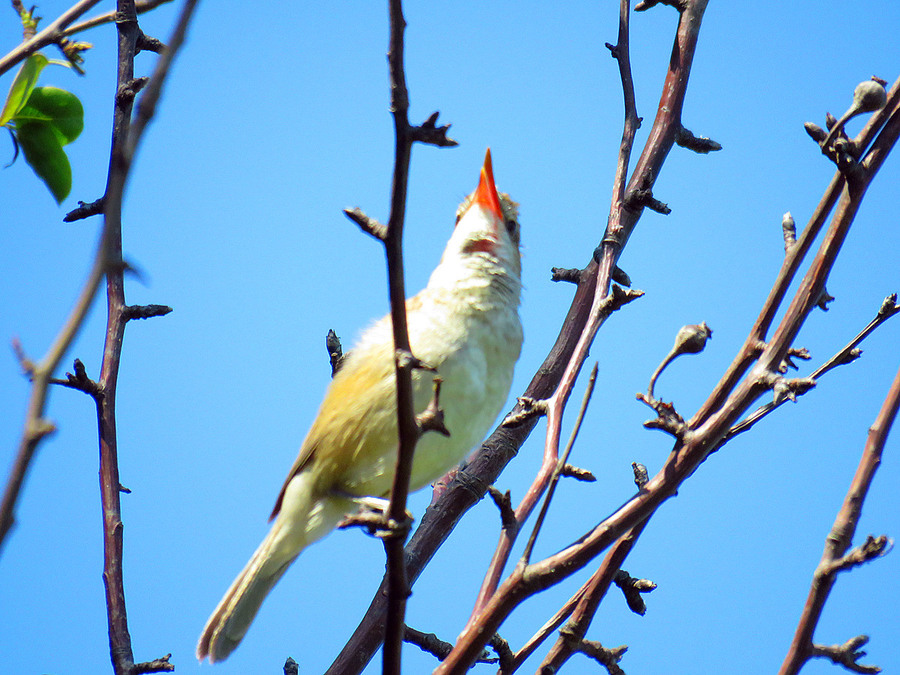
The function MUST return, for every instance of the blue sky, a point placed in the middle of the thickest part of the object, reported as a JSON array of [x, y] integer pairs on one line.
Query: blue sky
[[275, 120]]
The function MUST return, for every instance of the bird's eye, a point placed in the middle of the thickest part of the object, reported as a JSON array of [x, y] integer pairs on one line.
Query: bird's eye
[[511, 225]]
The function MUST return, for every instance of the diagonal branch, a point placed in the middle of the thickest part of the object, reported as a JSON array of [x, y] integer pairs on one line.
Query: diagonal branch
[[50, 35], [484, 465], [693, 448], [839, 539]]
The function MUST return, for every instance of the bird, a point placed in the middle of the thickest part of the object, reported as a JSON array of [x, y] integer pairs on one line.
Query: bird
[[465, 325]]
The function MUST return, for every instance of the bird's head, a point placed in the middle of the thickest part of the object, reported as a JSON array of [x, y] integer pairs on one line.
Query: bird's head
[[487, 226]]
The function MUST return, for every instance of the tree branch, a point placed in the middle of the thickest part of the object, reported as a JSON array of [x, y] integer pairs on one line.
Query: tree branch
[[52, 34], [840, 538]]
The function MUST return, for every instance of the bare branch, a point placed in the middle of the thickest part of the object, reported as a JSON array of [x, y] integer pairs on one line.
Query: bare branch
[[140, 7], [840, 537], [847, 654]]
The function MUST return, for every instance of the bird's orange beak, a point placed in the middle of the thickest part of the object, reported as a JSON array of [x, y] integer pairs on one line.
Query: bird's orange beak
[[486, 193]]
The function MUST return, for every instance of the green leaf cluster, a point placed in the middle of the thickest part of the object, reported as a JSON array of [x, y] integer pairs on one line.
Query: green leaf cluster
[[42, 120]]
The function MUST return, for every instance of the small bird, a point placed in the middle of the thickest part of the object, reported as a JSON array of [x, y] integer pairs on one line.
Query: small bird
[[465, 324]]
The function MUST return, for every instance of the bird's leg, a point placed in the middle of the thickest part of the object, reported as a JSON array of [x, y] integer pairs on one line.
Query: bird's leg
[[372, 515]]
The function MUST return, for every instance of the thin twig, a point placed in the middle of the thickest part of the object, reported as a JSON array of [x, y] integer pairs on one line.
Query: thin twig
[[841, 535], [140, 7], [603, 306], [554, 479], [792, 261], [693, 448], [847, 354], [50, 35]]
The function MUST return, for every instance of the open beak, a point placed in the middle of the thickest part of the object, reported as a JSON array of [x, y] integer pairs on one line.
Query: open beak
[[486, 193]]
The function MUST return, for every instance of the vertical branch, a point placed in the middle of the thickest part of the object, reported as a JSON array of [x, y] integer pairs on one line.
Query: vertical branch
[[119, 638], [621, 52], [408, 432], [841, 536], [124, 145]]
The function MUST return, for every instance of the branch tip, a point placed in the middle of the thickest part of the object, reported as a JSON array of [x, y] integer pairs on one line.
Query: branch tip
[[789, 231], [161, 665], [528, 408], [571, 275], [698, 144], [145, 311], [368, 225], [336, 354], [640, 475], [503, 500], [431, 134], [847, 654], [84, 210], [577, 473]]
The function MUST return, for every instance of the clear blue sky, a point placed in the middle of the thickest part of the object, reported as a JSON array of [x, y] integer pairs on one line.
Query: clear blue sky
[[275, 120]]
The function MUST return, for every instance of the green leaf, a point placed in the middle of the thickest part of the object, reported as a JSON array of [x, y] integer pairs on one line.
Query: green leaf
[[59, 108], [22, 86], [43, 151]]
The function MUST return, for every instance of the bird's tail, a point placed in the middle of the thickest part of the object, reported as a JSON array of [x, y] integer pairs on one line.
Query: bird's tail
[[304, 517], [229, 622]]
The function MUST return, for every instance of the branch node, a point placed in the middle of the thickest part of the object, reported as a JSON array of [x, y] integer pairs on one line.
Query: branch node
[[644, 5], [643, 197], [336, 354], [667, 420], [504, 654], [698, 144], [432, 418], [874, 547], [431, 134], [368, 225], [847, 654], [85, 210], [824, 299], [26, 364], [577, 473], [788, 389], [632, 589], [817, 133], [372, 515], [130, 89], [156, 666], [145, 311], [528, 408], [620, 277], [889, 306], [641, 476], [571, 275], [794, 352], [789, 230], [503, 500], [145, 43], [80, 381]]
